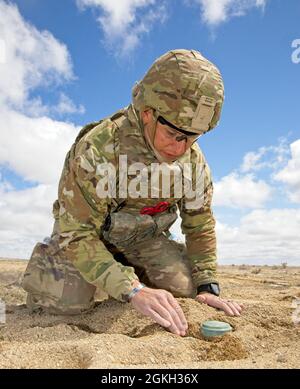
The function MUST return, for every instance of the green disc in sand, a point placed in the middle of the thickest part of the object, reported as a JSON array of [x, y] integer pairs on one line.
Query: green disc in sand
[[215, 328]]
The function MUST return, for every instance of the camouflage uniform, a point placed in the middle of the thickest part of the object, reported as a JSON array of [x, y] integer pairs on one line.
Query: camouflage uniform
[[82, 254]]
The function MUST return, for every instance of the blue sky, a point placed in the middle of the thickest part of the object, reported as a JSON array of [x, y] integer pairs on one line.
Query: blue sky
[[87, 70]]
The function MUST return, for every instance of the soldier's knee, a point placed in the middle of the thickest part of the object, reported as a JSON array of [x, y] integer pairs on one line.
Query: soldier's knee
[[54, 285], [179, 284], [40, 303]]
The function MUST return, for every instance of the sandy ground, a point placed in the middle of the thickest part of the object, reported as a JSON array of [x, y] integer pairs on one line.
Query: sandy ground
[[114, 335]]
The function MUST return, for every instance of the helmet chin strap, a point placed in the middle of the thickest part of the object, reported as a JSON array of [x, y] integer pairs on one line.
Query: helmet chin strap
[[149, 134]]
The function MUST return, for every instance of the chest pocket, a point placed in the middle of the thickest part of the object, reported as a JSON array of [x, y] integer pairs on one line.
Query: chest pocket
[[124, 229]]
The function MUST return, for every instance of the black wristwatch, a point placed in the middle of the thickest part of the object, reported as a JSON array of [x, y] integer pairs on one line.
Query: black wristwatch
[[210, 288]]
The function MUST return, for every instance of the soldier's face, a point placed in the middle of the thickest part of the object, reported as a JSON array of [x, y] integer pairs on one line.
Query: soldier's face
[[165, 142]]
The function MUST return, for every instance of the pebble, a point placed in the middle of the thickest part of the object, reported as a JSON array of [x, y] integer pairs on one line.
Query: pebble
[[281, 358]]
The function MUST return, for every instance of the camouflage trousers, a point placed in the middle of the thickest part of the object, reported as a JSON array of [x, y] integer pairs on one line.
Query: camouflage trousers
[[56, 286]]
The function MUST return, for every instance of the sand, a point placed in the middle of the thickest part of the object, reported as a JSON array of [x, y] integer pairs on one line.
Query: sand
[[114, 335]]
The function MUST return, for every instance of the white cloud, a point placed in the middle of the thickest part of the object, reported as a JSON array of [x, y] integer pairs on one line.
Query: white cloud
[[215, 12], [239, 191], [251, 160], [34, 147], [176, 230], [262, 237], [31, 144], [290, 174], [32, 58], [25, 218], [66, 105], [4, 185], [125, 22], [271, 157], [2, 52]]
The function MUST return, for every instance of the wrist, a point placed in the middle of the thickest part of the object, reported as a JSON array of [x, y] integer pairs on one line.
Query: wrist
[[137, 288], [212, 288]]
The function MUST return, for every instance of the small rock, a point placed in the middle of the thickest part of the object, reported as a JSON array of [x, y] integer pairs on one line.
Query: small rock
[[281, 358]]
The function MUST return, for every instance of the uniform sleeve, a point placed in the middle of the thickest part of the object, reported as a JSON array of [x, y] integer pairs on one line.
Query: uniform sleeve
[[198, 225], [82, 213]]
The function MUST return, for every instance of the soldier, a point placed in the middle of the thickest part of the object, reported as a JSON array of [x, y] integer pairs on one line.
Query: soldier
[[121, 244]]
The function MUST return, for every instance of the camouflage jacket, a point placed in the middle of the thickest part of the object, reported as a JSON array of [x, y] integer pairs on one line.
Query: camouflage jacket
[[80, 213]]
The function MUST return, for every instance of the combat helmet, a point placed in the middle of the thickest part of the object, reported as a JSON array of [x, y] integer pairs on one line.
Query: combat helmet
[[184, 88]]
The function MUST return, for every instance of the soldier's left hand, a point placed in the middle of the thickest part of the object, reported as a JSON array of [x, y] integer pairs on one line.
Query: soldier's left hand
[[231, 308]]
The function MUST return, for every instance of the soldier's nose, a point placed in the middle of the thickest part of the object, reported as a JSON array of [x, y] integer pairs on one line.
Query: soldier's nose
[[179, 147]]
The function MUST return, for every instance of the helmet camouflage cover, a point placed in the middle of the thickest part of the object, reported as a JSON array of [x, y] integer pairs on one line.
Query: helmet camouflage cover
[[184, 88]]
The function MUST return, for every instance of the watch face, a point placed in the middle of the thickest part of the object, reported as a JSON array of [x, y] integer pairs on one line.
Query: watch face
[[210, 288], [215, 289]]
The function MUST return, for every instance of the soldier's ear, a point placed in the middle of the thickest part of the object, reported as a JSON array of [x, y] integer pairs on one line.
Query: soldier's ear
[[147, 116]]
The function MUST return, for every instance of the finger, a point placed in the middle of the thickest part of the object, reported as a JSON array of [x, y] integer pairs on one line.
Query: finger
[[226, 308], [201, 298], [179, 312], [158, 319], [233, 308], [165, 313], [217, 303], [182, 326], [237, 306]]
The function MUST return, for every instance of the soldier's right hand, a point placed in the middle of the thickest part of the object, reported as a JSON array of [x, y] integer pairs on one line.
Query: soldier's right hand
[[162, 307]]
